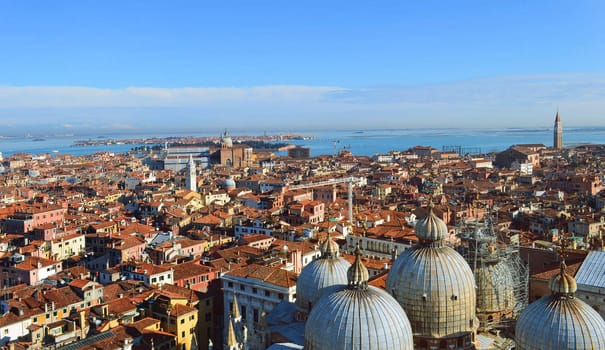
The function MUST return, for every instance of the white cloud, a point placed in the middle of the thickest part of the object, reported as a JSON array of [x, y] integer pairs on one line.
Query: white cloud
[[507, 101], [75, 97]]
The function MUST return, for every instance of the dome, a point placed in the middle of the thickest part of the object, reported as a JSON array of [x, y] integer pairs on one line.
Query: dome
[[553, 323], [229, 183], [321, 276], [560, 321], [431, 228], [433, 284], [495, 290], [359, 317], [226, 140]]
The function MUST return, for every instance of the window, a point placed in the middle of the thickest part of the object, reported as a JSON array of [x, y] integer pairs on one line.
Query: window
[[230, 284], [254, 290], [267, 293], [281, 296], [242, 287], [183, 336], [182, 321]]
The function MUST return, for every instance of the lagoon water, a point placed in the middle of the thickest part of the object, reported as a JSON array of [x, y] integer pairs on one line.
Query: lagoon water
[[359, 142]]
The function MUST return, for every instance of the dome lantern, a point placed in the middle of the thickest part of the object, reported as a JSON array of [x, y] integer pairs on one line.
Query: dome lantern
[[431, 228], [563, 284], [358, 274]]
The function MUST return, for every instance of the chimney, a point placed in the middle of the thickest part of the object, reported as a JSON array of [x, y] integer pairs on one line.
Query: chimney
[[297, 260]]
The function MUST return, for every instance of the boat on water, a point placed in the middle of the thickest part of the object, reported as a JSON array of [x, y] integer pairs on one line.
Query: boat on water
[[55, 151], [39, 139]]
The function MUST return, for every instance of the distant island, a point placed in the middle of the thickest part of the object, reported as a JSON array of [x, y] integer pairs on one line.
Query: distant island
[[265, 142]]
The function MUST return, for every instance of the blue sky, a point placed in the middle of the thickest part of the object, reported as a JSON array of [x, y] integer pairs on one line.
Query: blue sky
[[84, 65]]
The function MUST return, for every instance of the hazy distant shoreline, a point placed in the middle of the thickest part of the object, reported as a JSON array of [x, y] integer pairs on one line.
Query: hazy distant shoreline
[[358, 141]]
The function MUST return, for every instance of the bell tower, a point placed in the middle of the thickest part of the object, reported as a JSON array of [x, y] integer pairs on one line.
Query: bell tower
[[558, 133]]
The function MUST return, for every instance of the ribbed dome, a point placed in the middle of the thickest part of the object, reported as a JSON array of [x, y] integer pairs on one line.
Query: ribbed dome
[[552, 322], [325, 275], [359, 317], [560, 321], [431, 228], [436, 288]]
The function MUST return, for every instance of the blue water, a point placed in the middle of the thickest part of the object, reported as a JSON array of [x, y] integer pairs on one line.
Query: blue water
[[359, 142], [370, 142]]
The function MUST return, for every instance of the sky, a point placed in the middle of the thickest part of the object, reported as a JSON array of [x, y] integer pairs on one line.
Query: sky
[[101, 66]]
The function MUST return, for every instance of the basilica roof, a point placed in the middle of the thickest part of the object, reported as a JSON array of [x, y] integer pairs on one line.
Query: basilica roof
[[324, 275], [358, 317], [434, 284], [560, 320]]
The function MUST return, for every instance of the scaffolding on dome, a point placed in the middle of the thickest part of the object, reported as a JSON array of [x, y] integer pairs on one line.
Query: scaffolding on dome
[[500, 275]]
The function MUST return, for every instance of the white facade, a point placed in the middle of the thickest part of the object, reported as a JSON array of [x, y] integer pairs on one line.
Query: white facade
[[61, 249], [254, 296], [376, 247], [152, 279], [13, 331]]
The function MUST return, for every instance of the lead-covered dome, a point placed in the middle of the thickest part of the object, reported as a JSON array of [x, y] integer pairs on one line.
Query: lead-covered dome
[[229, 183], [324, 275], [359, 317], [434, 284], [559, 320]]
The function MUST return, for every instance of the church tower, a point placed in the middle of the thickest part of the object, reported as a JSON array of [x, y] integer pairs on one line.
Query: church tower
[[191, 180], [558, 134]]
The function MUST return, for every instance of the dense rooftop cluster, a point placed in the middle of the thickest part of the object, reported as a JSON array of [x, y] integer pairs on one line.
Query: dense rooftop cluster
[[104, 251]]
